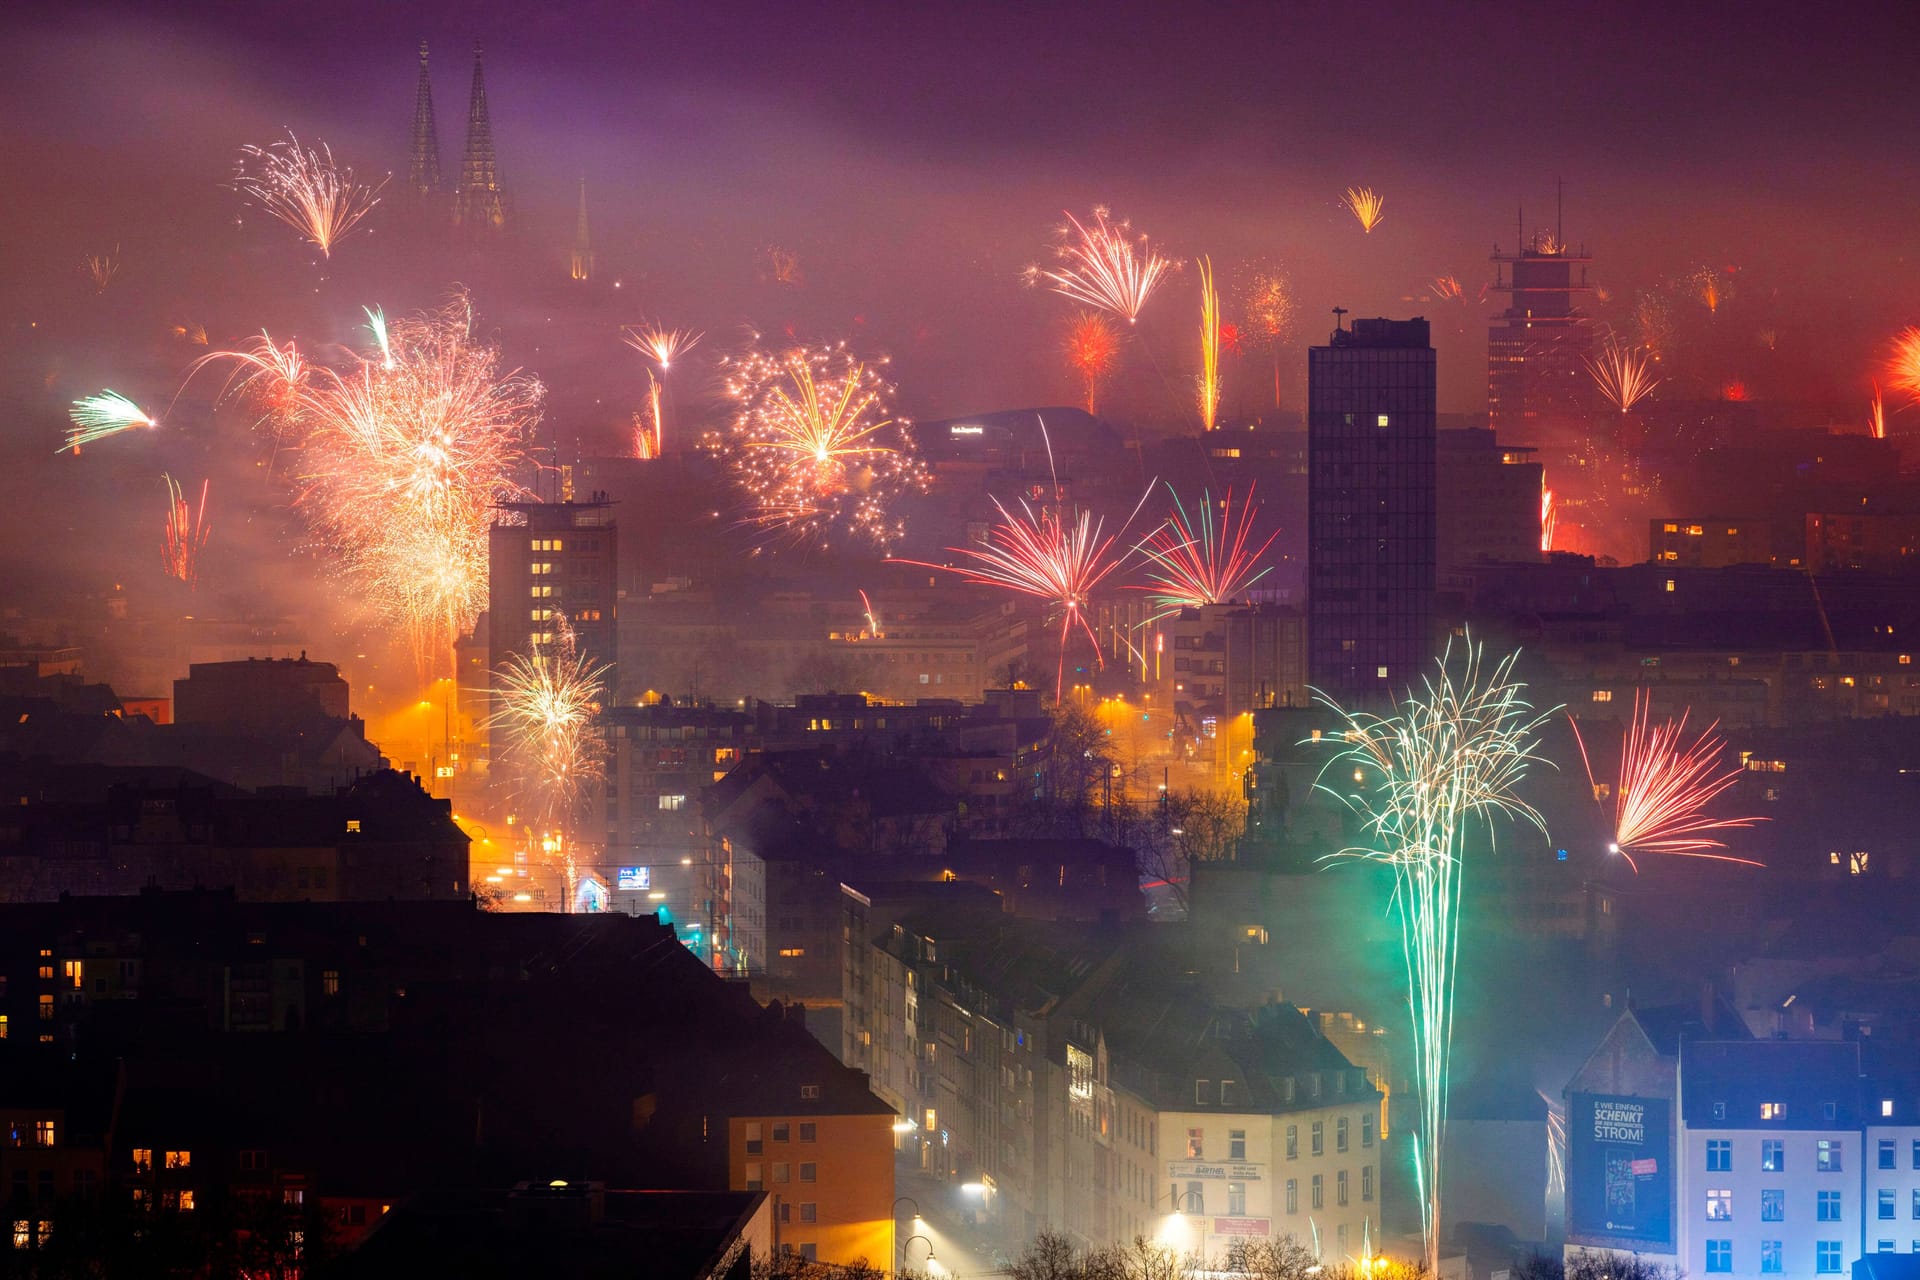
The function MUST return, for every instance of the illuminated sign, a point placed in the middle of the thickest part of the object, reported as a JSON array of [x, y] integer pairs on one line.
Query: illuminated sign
[[966, 429], [1241, 1227], [634, 878], [1205, 1169], [1620, 1182]]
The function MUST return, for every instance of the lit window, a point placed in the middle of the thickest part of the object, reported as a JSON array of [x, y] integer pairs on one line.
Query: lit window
[[1669, 584], [142, 1160], [1773, 1110], [71, 968], [1380, 420], [1828, 1160], [1671, 528], [353, 826], [1719, 1205], [46, 1008], [3, 1026], [186, 1201], [330, 982], [179, 1159], [1603, 695], [43, 1133], [792, 953], [673, 804], [1380, 672]]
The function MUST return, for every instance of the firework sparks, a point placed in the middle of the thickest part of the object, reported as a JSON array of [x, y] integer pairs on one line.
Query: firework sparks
[[377, 326], [1734, 391], [1457, 751], [1665, 786], [1653, 323], [816, 446], [1768, 338], [1366, 207], [1877, 415], [781, 266], [1092, 348], [1623, 374], [276, 376], [545, 705], [1547, 519], [101, 268], [97, 417], [1711, 287], [873, 619], [185, 535], [1903, 365], [1194, 562], [1446, 289], [650, 432], [305, 189], [190, 332], [663, 346], [1268, 301], [1105, 266], [1208, 389]]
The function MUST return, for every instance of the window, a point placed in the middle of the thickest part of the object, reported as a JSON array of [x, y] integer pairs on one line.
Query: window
[[807, 1130], [1770, 1257], [1829, 1206], [1773, 1155], [179, 1160], [46, 1008], [3, 1026], [293, 1195], [142, 1160], [1719, 1255], [780, 1131], [1826, 1257], [1916, 1153], [1883, 1246], [811, 1092], [330, 982], [753, 1175], [1237, 1199], [809, 1211], [673, 804], [1319, 1192], [1340, 1187], [1719, 1205], [43, 1133], [1366, 1128], [1340, 1134], [1293, 1143], [71, 970], [1319, 1131], [1773, 1204], [753, 1138], [1773, 1111], [46, 964], [1719, 1155], [1829, 1157], [1196, 1144], [1886, 1112], [253, 1161], [1202, 1092], [808, 1171], [782, 1171], [1236, 1144], [1916, 1204], [1886, 1153], [185, 1201], [1366, 1182], [1884, 1204], [1603, 695], [1293, 1195]]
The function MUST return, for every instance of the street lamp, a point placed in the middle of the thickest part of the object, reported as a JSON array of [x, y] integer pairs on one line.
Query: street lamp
[[927, 1264]]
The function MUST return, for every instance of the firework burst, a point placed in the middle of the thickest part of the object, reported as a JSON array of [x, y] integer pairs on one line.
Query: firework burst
[[1446, 289], [1366, 207], [1653, 324], [185, 534], [663, 346], [102, 268], [816, 448], [1092, 349], [1208, 388], [272, 375], [1711, 287], [1903, 364], [1198, 561], [1548, 517], [1268, 302], [97, 417], [1623, 374], [304, 188], [1456, 752], [1877, 415], [1104, 266], [1665, 786]]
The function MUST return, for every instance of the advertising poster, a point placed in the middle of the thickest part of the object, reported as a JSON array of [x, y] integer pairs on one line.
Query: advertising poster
[[1620, 1182]]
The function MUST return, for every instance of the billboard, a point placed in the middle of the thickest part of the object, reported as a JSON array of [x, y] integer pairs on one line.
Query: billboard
[[1620, 1174]]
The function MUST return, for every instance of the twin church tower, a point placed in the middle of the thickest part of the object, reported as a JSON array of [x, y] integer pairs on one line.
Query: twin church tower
[[478, 202]]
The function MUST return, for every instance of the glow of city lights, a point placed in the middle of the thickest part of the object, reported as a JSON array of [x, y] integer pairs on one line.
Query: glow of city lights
[[1208, 390], [304, 188], [185, 534], [1664, 788], [1366, 206], [1623, 374], [97, 417], [1105, 266], [1092, 348], [1456, 751], [1195, 560]]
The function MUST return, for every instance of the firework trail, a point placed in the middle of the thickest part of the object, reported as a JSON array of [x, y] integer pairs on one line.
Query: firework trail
[[185, 534], [1768, 338], [1105, 267], [815, 446], [1456, 751], [663, 346], [305, 189], [1268, 302], [1365, 206], [101, 268], [1092, 348], [1877, 415], [781, 266], [1665, 786], [1548, 517], [1623, 374], [873, 619], [377, 326], [273, 377], [190, 332], [1209, 380], [1903, 365], [1446, 289], [1711, 287], [1198, 561], [97, 417], [545, 705]]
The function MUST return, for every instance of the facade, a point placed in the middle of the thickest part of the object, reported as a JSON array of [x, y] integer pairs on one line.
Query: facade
[[556, 570], [1371, 510], [259, 694], [827, 1164], [1708, 542], [1488, 501], [1537, 378]]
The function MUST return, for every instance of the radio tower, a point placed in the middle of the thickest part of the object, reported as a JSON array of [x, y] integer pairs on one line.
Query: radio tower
[[477, 204], [582, 246], [423, 167]]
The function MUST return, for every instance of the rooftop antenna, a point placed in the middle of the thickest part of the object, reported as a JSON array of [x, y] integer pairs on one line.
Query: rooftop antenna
[[1337, 313]]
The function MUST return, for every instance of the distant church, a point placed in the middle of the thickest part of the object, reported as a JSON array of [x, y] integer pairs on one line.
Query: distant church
[[479, 203]]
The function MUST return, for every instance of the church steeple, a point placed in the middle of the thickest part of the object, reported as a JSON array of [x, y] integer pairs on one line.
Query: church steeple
[[582, 246], [477, 204], [423, 165]]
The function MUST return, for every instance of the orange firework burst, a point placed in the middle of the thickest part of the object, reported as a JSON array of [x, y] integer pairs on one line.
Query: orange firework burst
[[663, 346], [274, 376], [1903, 365], [305, 189], [1092, 348], [1665, 786], [816, 447], [1104, 266], [1711, 287], [1735, 391], [185, 535], [1268, 300], [1623, 375], [1446, 289], [1366, 207], [102, 268]]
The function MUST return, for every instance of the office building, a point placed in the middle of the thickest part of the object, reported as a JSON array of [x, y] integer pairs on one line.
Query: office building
[[1538, 384]]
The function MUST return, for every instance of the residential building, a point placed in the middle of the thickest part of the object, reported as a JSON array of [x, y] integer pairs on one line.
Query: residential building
[[1488, 501], [555, 570]]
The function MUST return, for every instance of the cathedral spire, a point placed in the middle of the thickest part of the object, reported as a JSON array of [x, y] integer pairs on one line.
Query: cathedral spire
[[478, 204], [423, 166], [582, 246]]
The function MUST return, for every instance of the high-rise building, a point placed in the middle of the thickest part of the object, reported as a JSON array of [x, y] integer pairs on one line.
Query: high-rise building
[[1537, 349], [423, 163], [582, 246], [556, 570], [1371, 524], [478, 203]]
